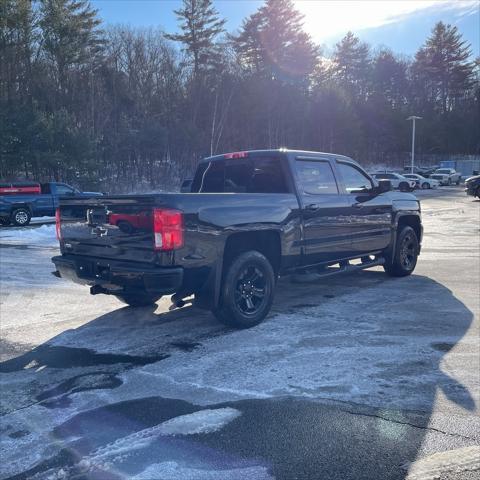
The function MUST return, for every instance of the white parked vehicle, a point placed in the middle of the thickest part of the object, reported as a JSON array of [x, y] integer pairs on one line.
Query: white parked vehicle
[[398, 181], [422, 182], [446, 176]]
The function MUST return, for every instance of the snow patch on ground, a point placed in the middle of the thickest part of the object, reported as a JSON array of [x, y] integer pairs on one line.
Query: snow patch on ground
[[466, 459], [43, 236], [201, 422], [174, 471], [204, 421]]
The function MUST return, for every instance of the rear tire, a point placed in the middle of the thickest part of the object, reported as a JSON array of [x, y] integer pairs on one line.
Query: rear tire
[[138, 299], [21, 217], [405, 255], [248, 290]]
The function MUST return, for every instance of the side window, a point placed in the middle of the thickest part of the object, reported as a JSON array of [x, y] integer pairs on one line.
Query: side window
[[354, 180], [209, 177], [238, 174], [246, 175], [316, 177], [268, 176], [64, 190]]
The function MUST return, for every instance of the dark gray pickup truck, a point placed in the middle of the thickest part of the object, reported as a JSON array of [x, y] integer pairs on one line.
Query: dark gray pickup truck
[[250, 218]]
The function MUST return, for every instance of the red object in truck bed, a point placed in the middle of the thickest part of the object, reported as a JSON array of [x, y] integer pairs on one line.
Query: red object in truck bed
[[20, 188], [140, 220]]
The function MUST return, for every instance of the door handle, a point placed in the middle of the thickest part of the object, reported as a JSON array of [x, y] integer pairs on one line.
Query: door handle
[[312, 207]]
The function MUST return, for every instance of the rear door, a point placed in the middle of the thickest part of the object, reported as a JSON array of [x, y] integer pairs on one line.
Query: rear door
[[369, 213], [326, 229]]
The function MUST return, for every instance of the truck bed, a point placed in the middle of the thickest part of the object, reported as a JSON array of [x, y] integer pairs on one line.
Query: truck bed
[[121, 227]]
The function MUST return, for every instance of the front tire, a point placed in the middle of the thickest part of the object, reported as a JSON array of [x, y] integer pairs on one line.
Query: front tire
[[403, 187], [21, 217], [425, 186], [248, 290], [138, 299], [405, 255]]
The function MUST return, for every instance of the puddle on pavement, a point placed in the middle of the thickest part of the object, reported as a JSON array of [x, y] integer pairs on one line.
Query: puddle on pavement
[[185, 346], [442, 347], [305, 305], [58, 397], [68, 357]]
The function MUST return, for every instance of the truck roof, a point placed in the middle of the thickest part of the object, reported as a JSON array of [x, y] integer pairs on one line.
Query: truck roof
[[286, 151]]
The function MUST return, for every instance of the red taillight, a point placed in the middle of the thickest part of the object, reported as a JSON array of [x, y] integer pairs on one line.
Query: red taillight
[[228, 156], [167, 229], [58, 227]]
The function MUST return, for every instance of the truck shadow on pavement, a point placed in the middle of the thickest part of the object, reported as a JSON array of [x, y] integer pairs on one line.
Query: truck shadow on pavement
[[339, 382]]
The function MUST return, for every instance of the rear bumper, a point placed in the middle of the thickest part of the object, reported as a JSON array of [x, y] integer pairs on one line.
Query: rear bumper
[[117, 276]]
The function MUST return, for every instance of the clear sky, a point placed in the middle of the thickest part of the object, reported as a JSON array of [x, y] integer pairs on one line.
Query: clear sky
[[401, 25]]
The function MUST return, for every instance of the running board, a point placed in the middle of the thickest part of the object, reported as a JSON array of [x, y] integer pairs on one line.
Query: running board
[[345, 267]]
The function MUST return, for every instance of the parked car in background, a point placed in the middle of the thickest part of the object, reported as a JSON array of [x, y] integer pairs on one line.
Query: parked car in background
[[419, 170], [21, 201], [472, 186], [422, 182], [397, 180], [447, 176]]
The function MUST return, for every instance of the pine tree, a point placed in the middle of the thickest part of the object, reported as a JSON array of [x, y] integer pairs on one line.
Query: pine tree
[[442, 66], [200, 25], [389, 78], [272, 41], [71, 36], [351, 64]]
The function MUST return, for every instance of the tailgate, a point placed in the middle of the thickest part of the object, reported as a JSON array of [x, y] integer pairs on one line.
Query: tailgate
[[119, 228]]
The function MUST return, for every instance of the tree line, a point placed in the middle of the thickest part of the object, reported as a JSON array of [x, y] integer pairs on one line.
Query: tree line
[[127, 109]]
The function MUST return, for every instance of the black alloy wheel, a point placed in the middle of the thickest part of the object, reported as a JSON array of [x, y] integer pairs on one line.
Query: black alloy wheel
[[247, 290], [404, 258], [250, 290], [408, 251]]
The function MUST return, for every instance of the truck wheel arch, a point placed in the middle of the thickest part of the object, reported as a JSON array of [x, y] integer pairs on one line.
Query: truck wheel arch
[[410, 219], [267, 242]]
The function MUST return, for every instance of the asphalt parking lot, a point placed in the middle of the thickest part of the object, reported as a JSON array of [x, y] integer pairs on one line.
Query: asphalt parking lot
[[362, 376]]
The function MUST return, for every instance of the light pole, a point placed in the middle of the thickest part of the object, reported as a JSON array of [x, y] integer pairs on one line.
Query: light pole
[[413, 118]]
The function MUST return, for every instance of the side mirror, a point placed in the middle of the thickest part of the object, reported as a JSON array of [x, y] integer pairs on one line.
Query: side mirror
[[384, 186]]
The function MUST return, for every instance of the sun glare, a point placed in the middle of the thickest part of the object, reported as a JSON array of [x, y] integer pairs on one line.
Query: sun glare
[[329, 18]]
